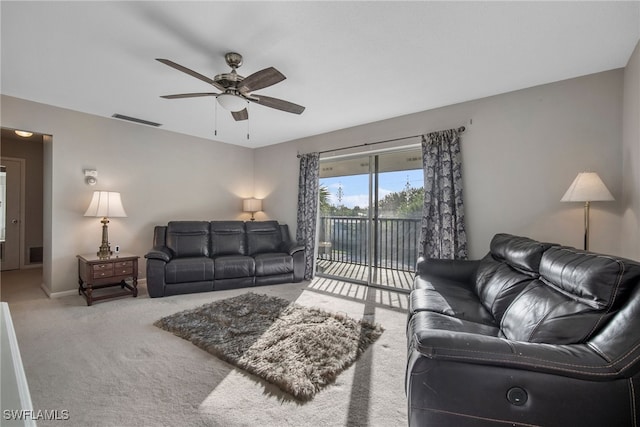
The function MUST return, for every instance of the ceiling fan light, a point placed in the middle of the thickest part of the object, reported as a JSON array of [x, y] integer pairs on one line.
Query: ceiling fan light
[[232, 102]]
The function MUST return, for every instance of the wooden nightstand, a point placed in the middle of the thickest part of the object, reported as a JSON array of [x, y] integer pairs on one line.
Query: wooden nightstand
[[97, 273]]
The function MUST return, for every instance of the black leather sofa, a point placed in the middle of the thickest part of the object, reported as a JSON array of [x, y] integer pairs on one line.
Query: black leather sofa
[[199, 256], [534, 334]]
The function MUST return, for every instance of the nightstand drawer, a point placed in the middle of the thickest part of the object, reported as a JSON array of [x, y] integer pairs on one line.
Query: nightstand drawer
[[102, 270], [123, 268]]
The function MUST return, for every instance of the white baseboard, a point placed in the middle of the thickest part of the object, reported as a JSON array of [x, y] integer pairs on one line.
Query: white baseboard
[[59, 294]]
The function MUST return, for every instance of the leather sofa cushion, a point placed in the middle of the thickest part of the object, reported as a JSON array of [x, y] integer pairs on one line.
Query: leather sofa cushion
[[498, 284], [273, 263], [453, 301], [433, 282], [443, 295], [599, 281], [521, 253], [188, 238], [189, 269], [543, 314], [234, 266], [227, 238], [263, 237], [576, 295], [426, 320]]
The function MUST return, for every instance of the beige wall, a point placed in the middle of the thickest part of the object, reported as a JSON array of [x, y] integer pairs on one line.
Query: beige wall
[[630, 236], [161, 175], [520, 154]]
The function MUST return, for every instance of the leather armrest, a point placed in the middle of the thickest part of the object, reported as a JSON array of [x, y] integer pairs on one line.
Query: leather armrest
[[577, 361], [161, 253], [291, 247], [454, 269]]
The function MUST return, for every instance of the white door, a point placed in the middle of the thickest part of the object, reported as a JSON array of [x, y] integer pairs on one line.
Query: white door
[[11, 206]]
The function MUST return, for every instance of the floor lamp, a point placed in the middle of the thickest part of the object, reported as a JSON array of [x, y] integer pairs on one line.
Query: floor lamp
[[587, 187]]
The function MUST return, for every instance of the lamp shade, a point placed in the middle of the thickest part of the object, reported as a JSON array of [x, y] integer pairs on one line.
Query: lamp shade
[[587, 187], [252, 205], [105, 204]]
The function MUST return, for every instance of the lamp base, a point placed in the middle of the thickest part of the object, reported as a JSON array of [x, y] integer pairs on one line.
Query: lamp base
[[586, 226], [105, 249], [105, 252]]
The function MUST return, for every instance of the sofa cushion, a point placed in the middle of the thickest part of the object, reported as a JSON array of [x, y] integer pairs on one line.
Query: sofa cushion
[[263, 237], [424, 320], [576, 294], [273, 263], [601, 281], [234, 266], [497, 284], [188, 238], [189, 269], [454, 301], [227, 238], [521, 253]]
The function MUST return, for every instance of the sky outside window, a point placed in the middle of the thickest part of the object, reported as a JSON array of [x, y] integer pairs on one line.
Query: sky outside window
[[355, 188]]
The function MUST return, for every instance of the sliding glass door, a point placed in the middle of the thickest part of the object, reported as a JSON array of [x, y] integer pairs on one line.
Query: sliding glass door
[[370, 208]]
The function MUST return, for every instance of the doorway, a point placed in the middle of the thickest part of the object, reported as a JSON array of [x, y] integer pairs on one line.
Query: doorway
[[23, 158], [11, 205], [369, 218]]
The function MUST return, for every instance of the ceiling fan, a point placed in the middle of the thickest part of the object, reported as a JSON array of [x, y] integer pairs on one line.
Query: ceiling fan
[[236, 90]]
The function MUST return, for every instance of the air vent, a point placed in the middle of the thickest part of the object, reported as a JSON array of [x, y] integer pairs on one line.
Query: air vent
[[135, 120], [35, 255]]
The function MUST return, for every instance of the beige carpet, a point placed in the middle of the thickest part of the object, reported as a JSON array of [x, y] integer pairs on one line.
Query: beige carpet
[[109, 366]]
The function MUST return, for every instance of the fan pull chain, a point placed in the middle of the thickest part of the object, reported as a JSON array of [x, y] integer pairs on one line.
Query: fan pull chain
[[215, 120], [248, 118]]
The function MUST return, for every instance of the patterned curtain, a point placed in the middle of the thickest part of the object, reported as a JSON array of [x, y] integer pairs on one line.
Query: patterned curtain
[[443, 233], [308, 208]]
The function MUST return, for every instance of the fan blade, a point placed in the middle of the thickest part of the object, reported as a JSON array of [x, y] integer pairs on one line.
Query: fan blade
[[189, 95], [279, 104], [261, 79], [190, 72], [240, 115]]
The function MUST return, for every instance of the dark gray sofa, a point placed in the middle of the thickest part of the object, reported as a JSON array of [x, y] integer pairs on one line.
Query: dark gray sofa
[[200, 256], [534, 334]]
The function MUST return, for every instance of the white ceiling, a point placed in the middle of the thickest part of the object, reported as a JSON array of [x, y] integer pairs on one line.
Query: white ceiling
[[348, 63]]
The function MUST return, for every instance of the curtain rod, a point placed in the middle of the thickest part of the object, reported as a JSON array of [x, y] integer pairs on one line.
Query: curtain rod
[[366, 144]]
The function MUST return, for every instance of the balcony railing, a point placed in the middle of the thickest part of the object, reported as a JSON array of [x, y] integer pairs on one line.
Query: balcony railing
[[345, 239]]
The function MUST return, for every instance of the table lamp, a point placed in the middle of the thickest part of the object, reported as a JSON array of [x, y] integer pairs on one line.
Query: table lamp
[[252, 205], [105, 204]]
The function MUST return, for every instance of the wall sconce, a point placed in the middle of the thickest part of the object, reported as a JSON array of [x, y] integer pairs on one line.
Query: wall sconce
[[587, 187], [252, 205], [91, 176]]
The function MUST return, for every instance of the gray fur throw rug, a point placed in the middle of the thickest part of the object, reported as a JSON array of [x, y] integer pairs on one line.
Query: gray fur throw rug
[[298, 349]]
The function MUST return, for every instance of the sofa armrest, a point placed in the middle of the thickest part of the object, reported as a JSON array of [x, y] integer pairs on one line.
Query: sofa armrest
[[160, 253], [291, 247], [576, 361], [454, 269]]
